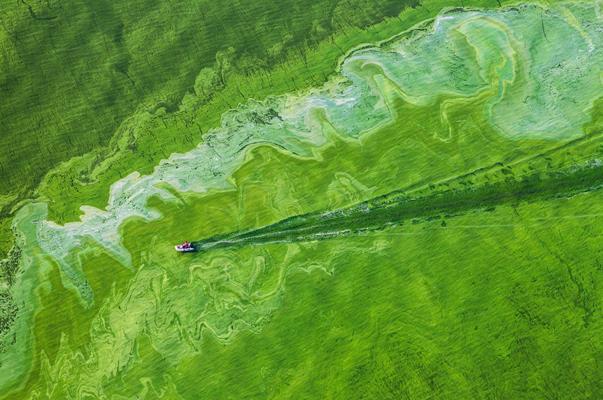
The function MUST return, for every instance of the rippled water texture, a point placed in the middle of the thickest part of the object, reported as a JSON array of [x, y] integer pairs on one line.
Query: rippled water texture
[[524, 73]]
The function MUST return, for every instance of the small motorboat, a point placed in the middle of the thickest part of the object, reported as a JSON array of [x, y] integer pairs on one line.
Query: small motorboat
[[185, 247]]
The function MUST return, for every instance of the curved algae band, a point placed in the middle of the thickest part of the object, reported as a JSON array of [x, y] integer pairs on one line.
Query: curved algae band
[[421, 69], [537, 84]]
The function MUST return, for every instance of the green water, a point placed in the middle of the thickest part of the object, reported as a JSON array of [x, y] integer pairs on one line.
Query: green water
[[425, 224]]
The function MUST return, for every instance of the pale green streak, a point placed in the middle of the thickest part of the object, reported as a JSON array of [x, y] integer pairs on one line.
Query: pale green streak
[[501, 56]]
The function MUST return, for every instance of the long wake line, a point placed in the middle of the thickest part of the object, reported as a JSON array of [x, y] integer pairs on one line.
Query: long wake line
[[398, 206]]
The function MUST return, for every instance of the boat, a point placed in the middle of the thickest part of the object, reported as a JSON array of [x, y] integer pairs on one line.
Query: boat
[[185, 247]]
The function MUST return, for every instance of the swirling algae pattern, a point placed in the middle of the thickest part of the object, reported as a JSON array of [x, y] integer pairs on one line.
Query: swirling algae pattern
[[442, 99]]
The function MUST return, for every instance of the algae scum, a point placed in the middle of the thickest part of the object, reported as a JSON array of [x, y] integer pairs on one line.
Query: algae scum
[[425, 224]]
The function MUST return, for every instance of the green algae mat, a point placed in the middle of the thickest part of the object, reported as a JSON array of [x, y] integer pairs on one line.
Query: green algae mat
[[387, 200]]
